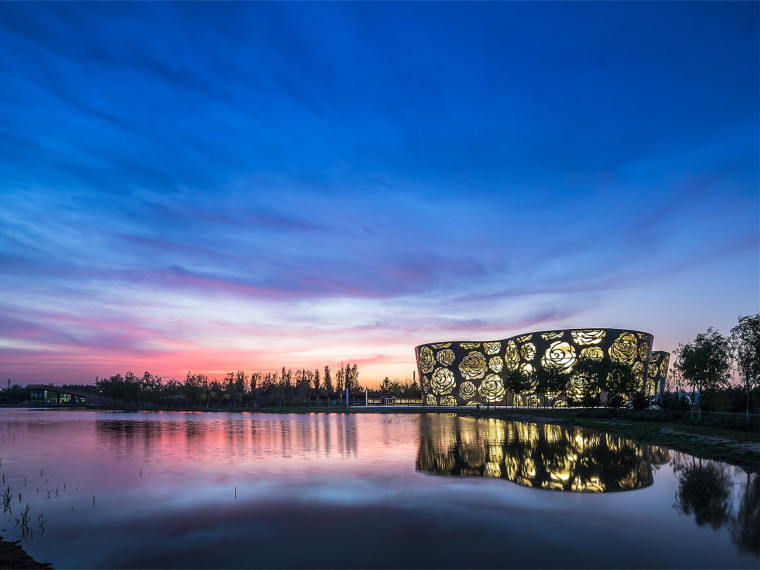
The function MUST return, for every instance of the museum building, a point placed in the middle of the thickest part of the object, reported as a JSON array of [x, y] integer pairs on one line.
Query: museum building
[[467, 373]]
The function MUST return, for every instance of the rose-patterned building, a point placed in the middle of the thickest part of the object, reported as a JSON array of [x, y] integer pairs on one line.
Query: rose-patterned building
[[473, 372]]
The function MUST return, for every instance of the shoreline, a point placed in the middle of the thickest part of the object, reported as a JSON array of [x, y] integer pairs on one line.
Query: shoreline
[[13, 555], [735, 447]]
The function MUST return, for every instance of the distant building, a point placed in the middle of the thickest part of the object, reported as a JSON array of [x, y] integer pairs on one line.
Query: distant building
[[49, 395], [467, 373]]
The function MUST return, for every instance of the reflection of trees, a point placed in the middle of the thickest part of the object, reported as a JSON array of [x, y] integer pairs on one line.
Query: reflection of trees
[[745, 530], [535, 455], [326, 433], [704, 492]]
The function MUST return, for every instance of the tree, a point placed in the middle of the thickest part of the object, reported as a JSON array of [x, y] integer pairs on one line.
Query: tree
[[339, 382], [255, 379], [705, 363], [587, 379], [328, 384], [745, 349], [619, 381], [550, 383], [518, 382]]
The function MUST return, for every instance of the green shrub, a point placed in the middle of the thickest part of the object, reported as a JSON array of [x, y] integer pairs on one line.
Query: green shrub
[[737, 422], [640, 401]]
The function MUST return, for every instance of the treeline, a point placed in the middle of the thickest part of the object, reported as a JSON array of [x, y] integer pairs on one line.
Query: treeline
[[287, 388], [708, 364], [406, 392]]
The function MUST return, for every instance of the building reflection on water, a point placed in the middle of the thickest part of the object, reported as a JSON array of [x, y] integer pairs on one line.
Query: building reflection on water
[[535, 455]]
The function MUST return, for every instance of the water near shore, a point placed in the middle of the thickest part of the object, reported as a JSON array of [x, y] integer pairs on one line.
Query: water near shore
[[86, 489]]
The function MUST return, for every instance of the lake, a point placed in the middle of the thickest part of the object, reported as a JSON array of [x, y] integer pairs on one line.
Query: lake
[[218, 490]]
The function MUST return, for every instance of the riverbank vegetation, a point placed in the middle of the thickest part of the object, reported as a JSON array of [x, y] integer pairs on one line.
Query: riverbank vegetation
[[287, 388]]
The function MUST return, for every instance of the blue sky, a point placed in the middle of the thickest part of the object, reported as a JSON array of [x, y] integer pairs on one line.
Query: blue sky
[[223, 186]]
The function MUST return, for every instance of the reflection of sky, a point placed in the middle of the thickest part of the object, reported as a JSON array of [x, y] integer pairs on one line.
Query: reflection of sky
[[353, 502], [241, 186]]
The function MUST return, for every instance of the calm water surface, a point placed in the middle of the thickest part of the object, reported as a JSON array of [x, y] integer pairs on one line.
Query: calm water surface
[[205, 490]]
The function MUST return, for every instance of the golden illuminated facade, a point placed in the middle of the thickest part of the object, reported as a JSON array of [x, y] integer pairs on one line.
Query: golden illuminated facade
[[467, 373], [657, 373], [535, 455]]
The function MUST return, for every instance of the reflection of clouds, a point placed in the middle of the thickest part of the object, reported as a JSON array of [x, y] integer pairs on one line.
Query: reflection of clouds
[[547, 456]]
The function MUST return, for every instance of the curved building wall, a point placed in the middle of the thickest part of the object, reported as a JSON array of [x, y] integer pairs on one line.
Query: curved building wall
[[466, 373]]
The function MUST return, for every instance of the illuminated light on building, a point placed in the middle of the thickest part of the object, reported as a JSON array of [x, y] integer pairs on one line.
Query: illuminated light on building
[[468, 373], [542, 456]]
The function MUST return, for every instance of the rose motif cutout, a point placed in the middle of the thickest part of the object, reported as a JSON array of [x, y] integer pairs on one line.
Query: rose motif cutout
[[524, 338], [664, 366], [425, 384], [492, 389], [592, 353], [448, 401], [560, 356], [467, 390], [512, 357], [426, 359], [441, 345], [624, 348], [588, 336], [496, 364], [445, 357], [492, 347], [552, 335], [469, 345], [431, 401], [443, 381], [473, 366], [644, 351], [528, 351], [654, 366], [638, 371], [530, 372]]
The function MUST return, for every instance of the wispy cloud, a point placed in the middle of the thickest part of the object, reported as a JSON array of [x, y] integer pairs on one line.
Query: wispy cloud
[[197, 186]]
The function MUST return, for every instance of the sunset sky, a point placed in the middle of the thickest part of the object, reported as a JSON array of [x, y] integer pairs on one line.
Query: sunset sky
[[242, 186]]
